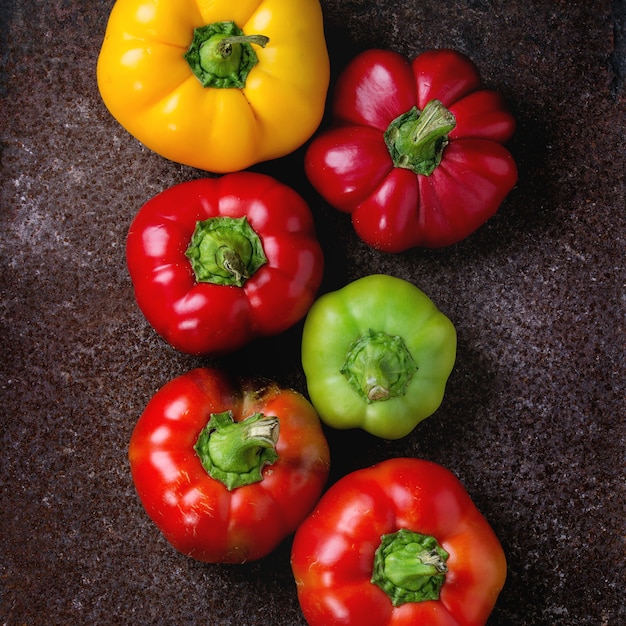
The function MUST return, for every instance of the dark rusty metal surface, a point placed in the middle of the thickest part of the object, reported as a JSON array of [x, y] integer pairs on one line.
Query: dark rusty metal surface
[[533, 419]]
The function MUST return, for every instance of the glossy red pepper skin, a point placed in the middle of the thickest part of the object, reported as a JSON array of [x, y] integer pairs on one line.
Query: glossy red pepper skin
[[196, 513], [392, 208], [202, 318], [333, 550]]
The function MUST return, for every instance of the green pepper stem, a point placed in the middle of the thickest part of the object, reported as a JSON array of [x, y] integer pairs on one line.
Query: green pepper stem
[[232, 263], [225, 251], [409, 567], [235, 453], [416, 139], [378, 366], [221, 55], [225, 46]]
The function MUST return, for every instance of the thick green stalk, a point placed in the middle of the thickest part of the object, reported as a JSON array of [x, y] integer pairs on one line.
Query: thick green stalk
[[235, 453], [221, 55], [409, 567], [225, 251], [416, 139], [378, 366]]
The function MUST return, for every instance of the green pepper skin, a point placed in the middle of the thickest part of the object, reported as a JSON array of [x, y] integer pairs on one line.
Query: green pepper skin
[[384, 304]]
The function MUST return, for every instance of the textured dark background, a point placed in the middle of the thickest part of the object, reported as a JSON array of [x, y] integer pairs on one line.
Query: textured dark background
[[533, 420]]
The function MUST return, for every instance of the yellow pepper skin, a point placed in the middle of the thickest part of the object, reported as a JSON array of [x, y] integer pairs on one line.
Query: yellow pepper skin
[[150, 88]]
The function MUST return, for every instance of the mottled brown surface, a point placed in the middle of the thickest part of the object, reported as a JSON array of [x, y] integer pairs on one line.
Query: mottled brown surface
[[533, 419]]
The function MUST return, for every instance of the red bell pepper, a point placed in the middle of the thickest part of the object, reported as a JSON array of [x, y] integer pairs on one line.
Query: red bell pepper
[[218, 262], [414, 154], [395, 544], [227, 468]]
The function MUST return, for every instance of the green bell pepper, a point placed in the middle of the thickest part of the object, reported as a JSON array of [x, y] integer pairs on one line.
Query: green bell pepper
[[377, 355]]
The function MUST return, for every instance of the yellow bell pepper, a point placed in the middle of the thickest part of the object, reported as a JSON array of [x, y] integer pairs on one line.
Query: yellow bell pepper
[[216, 84]]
